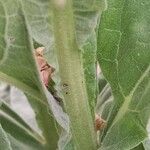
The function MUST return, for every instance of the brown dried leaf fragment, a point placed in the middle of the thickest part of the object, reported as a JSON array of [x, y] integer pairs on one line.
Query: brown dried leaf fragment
[[45, 69], [99, 122]]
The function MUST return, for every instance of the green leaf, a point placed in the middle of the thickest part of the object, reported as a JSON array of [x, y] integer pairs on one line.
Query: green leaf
[[65, 142], [60, 116], [18, 66], [17, 145], [104, 104], [18, 131], [4, 107], [87, 13], [40, 110], [123, 54], [40, 22], [139, 147], [89, 65], [4, 141], [70, 146], [103, 97], [146, 144], [101, 82]]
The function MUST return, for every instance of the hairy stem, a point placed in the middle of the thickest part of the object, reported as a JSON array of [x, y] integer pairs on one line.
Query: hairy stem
[[72, 76]]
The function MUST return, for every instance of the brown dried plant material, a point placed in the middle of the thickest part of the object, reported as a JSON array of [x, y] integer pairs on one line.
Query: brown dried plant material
[[45, 69], [99, 122]]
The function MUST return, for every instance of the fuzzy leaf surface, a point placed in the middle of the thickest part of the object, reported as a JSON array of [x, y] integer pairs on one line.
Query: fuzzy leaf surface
[[4, 141], [124, 54]]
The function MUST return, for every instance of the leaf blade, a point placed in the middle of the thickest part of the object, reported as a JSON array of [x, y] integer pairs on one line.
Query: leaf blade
[[4, 142], [126, 68], [19, 66]]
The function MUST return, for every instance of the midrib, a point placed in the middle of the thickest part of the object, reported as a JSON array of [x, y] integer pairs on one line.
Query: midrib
[[123, 109]]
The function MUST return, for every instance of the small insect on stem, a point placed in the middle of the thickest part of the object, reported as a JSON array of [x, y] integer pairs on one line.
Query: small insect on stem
[[45, 69]]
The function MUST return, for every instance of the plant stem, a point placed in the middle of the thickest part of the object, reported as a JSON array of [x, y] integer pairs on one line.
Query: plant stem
[[72, 76]]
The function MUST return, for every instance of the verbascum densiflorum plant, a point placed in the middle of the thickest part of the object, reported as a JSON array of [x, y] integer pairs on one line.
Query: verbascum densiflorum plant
[[77, 107]]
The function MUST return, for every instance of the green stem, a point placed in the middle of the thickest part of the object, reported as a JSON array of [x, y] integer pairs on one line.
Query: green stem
[[72, 76]]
